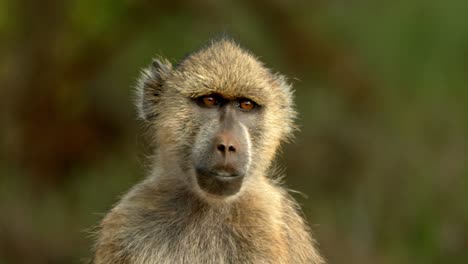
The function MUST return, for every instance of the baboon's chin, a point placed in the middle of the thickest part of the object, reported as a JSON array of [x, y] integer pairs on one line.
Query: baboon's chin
[[219, 184]]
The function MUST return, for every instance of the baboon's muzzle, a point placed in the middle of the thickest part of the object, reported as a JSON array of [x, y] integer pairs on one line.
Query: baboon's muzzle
[[225, 161]]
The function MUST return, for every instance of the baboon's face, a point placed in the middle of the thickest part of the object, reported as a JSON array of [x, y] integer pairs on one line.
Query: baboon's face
[[222, 149], [217, 117]]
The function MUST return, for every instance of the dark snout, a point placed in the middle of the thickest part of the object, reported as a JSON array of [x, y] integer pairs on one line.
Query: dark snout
[[225, 161]]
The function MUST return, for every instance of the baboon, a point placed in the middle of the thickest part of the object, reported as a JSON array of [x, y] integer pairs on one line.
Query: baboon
[[215, 122]]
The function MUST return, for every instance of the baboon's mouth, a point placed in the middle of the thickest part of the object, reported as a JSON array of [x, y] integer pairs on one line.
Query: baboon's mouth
[[227, 175], [219, 182], [224, 175]]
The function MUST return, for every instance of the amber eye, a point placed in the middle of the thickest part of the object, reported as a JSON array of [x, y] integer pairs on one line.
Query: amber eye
[[209, 100], [246, 104]]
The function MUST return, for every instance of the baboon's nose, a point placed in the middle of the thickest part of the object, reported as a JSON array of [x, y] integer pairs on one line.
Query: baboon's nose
[[226, 144], [222, 148]]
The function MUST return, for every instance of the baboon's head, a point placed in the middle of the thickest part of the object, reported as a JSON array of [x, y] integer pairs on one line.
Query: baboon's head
[[216, 119]]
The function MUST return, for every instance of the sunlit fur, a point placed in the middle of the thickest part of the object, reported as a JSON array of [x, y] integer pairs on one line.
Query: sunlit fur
[[166, 218]]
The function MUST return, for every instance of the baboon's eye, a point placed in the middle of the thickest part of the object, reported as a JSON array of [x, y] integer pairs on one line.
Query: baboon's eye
[[246, 104], [209, 100]]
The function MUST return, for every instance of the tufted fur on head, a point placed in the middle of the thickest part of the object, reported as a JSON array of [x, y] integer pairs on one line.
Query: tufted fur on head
[[221, 67]]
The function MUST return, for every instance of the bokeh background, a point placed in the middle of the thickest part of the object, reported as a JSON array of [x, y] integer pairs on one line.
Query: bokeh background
[[381, 87]]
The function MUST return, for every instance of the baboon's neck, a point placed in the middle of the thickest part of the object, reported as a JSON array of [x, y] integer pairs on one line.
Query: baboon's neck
[[178, 201]]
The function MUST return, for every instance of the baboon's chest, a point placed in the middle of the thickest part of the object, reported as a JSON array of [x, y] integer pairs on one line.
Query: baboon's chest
[[206, 241]]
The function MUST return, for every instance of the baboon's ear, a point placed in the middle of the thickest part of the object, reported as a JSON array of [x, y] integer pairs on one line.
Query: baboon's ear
[[149, 88]]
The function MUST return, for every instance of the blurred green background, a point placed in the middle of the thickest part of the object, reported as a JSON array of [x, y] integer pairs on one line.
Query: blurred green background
[[380, 87]]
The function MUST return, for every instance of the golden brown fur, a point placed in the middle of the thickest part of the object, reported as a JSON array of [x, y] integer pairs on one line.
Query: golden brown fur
[[167, 218]]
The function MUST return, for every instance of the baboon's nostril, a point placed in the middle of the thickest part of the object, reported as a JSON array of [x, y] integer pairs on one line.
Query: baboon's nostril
[[222, 148], [232, 149]]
